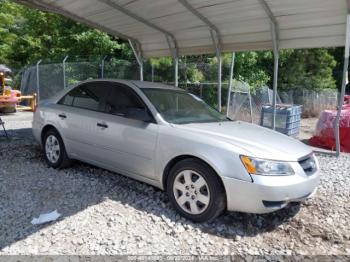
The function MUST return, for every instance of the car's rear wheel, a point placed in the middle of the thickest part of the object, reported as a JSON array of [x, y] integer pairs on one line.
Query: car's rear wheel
[[54, 150], [196, 191]]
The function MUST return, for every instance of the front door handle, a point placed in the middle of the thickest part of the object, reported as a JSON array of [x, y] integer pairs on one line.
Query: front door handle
[[62, 116], [103, 125]]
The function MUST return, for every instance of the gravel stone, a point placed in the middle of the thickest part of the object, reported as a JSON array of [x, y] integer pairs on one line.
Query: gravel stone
[[106, 213]]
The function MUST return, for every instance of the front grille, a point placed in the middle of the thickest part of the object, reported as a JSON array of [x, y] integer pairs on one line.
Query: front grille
[[308, 164]]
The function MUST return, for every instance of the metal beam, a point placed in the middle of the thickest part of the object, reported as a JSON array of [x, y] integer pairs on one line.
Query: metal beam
[[217, 41], [217, 46], [141, 20], [205, 20], [152, 79], [176, 69], [170, 38], [64, 71], [230, 84], [138, 55], [344, 82], [175, 54], [275, 44], [103, 66], [38, 80], [219, 80], [275, 72], [51, 8], [268, 11], [219, 58]]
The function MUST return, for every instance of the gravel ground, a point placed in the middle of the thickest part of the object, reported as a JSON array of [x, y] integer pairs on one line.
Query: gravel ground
[[105, 213], [307, 128]]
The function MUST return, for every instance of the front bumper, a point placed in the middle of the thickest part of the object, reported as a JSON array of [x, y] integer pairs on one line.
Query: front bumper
[[269, 193]]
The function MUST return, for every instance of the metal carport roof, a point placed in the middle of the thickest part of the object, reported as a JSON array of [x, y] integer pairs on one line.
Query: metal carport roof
[[157, 28], [242, 24]]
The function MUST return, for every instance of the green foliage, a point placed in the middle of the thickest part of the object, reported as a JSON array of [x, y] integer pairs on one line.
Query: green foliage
[[248, 68], [163, 68], [308, 68], [338, 54], [27, 35], [194, 75]]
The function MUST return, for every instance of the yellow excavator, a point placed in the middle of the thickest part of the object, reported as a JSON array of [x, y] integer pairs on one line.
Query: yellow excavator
[[9, 98]]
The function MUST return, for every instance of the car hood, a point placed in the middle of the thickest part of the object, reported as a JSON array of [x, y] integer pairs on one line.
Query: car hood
[[254, 140]]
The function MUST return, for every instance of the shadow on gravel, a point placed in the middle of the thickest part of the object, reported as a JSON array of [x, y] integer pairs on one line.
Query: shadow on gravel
[[28, 188], [14, 135]]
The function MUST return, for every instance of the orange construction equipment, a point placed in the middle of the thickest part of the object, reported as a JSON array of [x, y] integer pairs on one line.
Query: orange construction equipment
[[10, 99]]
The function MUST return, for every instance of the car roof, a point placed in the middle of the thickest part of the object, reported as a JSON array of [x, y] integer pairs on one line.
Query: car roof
[[139, 84], [147, 84]]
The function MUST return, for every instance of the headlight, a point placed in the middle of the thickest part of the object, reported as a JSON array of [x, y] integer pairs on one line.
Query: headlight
[[258, 166]]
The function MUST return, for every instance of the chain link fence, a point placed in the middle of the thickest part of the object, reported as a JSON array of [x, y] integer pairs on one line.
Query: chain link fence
[[313, 101], [245, 102], [53, 77]]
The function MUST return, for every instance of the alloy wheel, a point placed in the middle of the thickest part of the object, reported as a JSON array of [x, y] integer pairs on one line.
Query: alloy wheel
[[191, 192], [52, 149]]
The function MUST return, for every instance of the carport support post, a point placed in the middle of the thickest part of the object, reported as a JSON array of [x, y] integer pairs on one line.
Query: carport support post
[[176, 68], [219, 79], [344, 82], [275, 45], [103, 66], [174, 53], [217, 43], [152, 72], [64, 71], [138, 55], [230, 83], [250, 106], [275, 71], [38, 80]]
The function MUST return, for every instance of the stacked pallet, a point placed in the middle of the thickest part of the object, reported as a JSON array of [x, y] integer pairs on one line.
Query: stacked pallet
[[288, 118]]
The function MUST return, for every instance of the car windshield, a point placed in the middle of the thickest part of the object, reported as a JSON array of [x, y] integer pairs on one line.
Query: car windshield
[[180, 107]]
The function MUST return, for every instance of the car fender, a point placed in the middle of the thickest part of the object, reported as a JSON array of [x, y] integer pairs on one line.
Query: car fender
[[219, 156], [45, 116]]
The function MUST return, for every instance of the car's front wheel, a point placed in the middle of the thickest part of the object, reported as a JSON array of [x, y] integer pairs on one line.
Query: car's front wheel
[[54, 150], [196, 191]]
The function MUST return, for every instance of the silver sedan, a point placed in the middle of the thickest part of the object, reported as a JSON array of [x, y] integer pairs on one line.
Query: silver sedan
[[171, 139]]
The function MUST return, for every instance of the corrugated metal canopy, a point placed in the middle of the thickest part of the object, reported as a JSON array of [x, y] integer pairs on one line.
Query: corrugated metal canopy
[[242, 24]]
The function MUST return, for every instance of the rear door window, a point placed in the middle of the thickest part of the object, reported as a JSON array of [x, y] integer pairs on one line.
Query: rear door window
[[89, 96], [68, 98]]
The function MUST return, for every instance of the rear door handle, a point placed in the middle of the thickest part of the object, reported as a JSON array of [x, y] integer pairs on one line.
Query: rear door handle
[[62, 116], [103, 125]]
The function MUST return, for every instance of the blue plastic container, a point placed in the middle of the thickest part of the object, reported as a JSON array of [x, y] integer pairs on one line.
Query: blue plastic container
[[287, 118]]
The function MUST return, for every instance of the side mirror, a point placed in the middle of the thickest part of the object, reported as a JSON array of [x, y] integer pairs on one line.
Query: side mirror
[[141, 114]]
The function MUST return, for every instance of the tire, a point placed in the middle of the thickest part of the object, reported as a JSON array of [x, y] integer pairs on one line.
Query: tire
[[193, 183], [54, 150]]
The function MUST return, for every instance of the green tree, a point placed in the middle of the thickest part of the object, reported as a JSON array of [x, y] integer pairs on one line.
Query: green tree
[[27, 35], [248, 68], [307, 68], [338, 54]]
